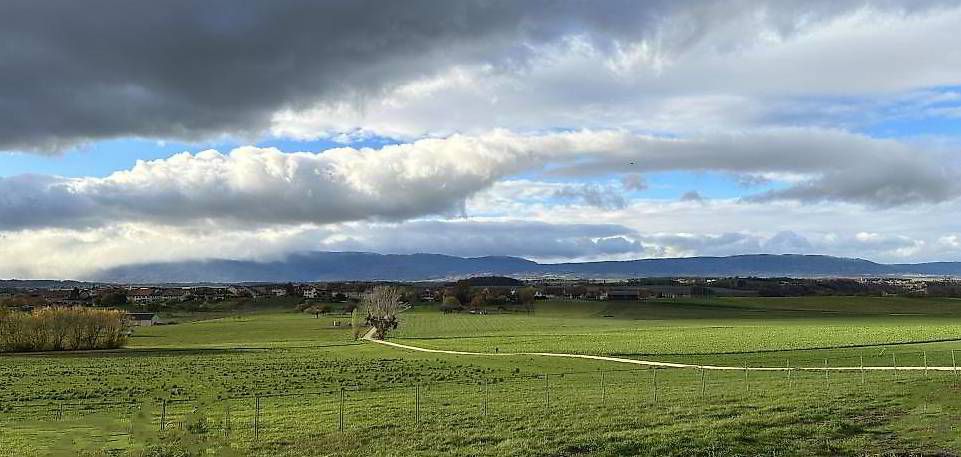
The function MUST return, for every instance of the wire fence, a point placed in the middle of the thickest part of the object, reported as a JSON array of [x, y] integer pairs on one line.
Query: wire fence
[[593, 395]]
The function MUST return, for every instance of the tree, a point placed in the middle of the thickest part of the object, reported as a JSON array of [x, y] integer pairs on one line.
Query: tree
[[112, 298], [479, 301], [451, 304], [526, 298], [382, 304], [462, 290]]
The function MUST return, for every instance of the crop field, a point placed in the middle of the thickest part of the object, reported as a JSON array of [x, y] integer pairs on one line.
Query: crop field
[[285, 383]]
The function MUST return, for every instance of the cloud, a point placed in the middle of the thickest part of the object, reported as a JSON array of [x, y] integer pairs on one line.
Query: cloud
[[761, 59], [634, 182], [254, 186], [881, 185], [692, 196], [264, 185], [340, 67], [825, 164], [80, 253], [788, 242], [509, 237], [77, 253], [592, 195]]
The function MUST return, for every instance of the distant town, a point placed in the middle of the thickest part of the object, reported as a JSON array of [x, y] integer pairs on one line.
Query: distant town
[[475, 294]]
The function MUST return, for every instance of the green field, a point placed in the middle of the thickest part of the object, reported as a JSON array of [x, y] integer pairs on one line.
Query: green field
[[397, 402]]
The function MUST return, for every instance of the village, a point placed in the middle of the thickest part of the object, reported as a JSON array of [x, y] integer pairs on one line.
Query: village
[[143, 302]]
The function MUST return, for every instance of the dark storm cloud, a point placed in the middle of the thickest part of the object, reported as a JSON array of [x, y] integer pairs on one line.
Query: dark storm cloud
[[75, 71]]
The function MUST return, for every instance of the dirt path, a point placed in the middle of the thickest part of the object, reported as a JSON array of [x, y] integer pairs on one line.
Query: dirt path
[[650, 363]]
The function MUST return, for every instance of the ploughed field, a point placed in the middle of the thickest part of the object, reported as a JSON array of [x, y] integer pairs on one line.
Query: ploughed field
[[197, 385]]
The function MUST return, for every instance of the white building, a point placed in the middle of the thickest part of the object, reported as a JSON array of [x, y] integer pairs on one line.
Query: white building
[[143, 319]]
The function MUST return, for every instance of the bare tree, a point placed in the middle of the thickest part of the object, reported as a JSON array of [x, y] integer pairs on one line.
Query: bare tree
[[382, 304]]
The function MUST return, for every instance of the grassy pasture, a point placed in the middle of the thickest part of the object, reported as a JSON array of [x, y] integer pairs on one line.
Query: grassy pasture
[[255, 330], [476, 405], [689, 328]]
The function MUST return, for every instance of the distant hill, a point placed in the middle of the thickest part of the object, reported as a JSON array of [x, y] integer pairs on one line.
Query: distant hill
[[361, 266], [42, 284]]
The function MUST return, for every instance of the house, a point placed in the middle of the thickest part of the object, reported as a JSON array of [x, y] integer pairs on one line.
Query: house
[[142, 295], [238, 291], [278, 292], [171, 294], [310, 292], [143, 319], [623, 294], [429, 295]]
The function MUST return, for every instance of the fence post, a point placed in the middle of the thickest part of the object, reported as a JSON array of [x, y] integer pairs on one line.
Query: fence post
[[60, 412], [954, 363], [747, 382], [924, 354], [547, 390], [227, 421], [825, 371], [487, 397], [703, 384], [163, 415], [654, 382], [416, 405], [894, 361], [790, 379], [862, 370], [256, 417], [603, 389], [340, 426]]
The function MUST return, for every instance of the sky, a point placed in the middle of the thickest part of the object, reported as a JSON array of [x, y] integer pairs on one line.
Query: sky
[[136, 132]]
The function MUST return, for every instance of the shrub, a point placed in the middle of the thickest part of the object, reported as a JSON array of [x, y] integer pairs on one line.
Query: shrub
[[62, 329]]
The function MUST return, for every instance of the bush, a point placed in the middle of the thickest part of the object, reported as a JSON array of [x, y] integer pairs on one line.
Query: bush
[[62, 329], [451, 304]]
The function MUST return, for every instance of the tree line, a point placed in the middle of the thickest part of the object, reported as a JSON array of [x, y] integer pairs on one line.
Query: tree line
[[463, 296], [62, 329]]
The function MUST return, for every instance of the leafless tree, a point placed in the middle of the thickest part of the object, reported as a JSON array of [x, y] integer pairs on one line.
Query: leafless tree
[[382, 304]]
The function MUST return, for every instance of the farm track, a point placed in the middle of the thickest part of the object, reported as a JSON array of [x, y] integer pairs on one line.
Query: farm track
[[651, 363]]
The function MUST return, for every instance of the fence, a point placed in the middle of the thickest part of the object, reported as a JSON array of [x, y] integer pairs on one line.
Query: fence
[[596, 396]]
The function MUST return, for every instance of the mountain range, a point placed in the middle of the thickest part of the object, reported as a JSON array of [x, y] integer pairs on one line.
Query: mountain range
[[360, 266]]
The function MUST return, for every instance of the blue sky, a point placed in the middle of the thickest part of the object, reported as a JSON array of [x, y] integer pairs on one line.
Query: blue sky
[[607, 132], [101, 158]]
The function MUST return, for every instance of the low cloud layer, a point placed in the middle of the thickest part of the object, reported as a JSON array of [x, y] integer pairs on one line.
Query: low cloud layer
[[71, 253]]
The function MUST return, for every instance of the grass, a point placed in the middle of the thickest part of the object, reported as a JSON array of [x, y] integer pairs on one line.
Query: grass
[[686, 328], [477, 405], [257, 330]]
